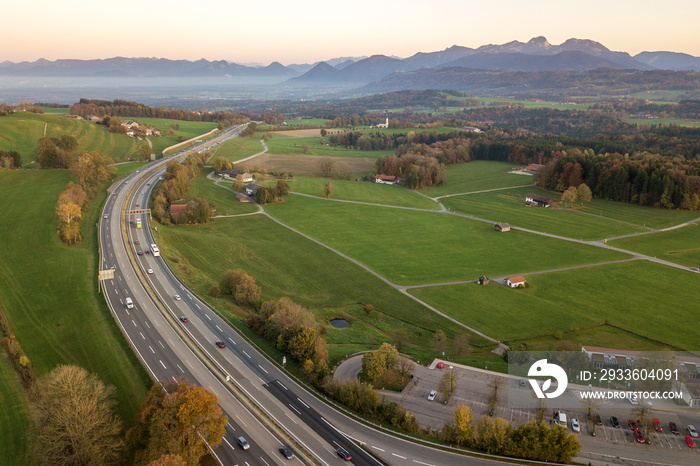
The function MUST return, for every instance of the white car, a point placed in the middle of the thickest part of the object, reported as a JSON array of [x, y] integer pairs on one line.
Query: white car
[[106, 216], [692, 431], [575, 425], [149, 271], [177, 297], [431, 395]]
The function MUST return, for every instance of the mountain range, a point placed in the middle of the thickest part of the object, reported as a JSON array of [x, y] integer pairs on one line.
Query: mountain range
[[535, 55]]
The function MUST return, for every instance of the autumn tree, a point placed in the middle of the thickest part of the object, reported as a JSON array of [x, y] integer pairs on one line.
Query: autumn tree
[[570, 195], [74, 416], [238, 183], [282, 188], [221, 164], [440, 342], [462, 419], [460, 345], [240, 285], [376, 363], [11, 159], [168, 460], [93, 169], [178, 419], [447, 385], [263, 196], [584, 193], [328, 189], [145, 152], [495, 385], [69, 216], [198, 211], [493, 435], [305, 148], [325, 165]]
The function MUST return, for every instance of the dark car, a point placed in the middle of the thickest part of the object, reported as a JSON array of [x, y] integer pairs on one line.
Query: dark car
[[140, 253], [614, 422], [673, 428], [221, 344], [184, 319], [286, 452], [599, 420], [137, 242], [344, 454]]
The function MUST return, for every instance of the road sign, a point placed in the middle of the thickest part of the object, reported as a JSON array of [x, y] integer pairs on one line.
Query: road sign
[[105, 274]]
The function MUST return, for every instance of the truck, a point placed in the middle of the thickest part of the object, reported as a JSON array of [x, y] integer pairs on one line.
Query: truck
[[561, 418], [129, 303]]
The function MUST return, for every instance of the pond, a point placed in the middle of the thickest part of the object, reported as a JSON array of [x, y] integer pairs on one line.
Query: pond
[[339, 323]]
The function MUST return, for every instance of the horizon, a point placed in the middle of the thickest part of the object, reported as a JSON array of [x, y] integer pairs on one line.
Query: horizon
[[290, 34]]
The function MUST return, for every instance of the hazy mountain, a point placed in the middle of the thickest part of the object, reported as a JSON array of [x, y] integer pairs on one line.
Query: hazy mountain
[[321, 73], [563, 61], [669, 60], [428, 60]]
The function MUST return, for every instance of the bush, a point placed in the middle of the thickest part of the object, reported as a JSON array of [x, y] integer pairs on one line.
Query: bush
[[215, 291]]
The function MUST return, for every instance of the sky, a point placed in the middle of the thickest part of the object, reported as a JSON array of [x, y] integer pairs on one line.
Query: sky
[[307, 31]]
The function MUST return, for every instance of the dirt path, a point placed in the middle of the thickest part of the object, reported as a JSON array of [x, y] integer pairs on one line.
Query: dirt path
[[482, 191]]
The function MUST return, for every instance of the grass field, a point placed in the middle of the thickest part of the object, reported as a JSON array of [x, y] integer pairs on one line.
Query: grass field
[[49, 293], [288, 145], [414, 247], [307, 121], [477, 176], [187, 130], [681, 245], [310, 164], [442, 129], [648, 299], [362, 191], [14, 417], [237, 148], [226, 203], [664, 122]]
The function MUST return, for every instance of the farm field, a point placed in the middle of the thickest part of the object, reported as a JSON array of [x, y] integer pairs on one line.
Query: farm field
[[361, 191], [14, 417], [309, 164], [414, 247], [636, 296], [476, 176], [288, 145], [187, 130], [307, 121], [681, 245], [304, 271], [226, 203], [664, 122], [48, 311], [124, 169], [237, 148], [508, 206], [21, 131]]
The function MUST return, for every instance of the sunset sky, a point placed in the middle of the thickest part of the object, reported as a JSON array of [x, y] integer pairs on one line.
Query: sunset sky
[[306, 31]]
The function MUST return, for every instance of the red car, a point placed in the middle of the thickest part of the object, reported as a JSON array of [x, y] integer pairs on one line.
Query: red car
[[638, 436], [140, 253], [657, 425], [632, 424], [689, 440], [221, 344], [673, 428], [440, 365], [184, 319]]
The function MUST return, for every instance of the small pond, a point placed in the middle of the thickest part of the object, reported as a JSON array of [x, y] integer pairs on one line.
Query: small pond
[[339, 323]]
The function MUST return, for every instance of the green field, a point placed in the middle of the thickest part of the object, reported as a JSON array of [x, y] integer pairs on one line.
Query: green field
[[49, 292], [291, 145], [237, 148], [21, 131], [226, 203], [681, 245], [651, 300], [361, 191], [14, 417], [55, 111], [441, 129], [307, 121], [664, 122], [187, 130], [414, 247], [477, 176]]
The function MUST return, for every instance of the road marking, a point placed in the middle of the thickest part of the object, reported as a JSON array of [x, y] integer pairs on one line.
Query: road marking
[[161, 363], [242, 422], [282, 385], [161, 344], [156, 322], [207, 316], [268, 464], [127, 312], [189, 363], [420, 462], [188, 295], [152, 350], [305, 405], [227, 443], [291, 418], [261, 367], [147, 325], [197, 305], [119, 277], [182, 287], [116, 291], [261, 380], [231, 340], [229, 424], [132, 321], [377, 448], [142, 335], [399, 456], [181, 369], [295, 410], [219, 328], [246, 354], [120, 300]]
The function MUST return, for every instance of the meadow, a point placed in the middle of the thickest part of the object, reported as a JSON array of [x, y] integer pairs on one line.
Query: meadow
[[186, 130], [477, 176], [290, 145], [647, 299], [237, 148], [681, 245], [361, 191], [664, 122], [49, 292], [226, 202], [14, 417], [414, 247]]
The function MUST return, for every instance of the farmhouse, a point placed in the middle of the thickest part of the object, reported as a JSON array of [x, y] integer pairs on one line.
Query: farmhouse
[[385, 179], [537, 200], [252, 188], [470, 129], [483, 280], [502, 227], [176, 210], [242, 197], [514, 282], [532, 168], [230, 174]]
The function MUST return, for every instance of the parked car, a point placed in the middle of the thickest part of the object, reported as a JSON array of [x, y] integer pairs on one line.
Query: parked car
[[614, 422], [599, 420], [673, 428], [431, 395], [689, 440], [343, 454], [440, 365], [638, 436], [286, 452], [633, 399], [632, 424], [243, 443], [692, 431], [657, 424], [221, 344], [575, 425]]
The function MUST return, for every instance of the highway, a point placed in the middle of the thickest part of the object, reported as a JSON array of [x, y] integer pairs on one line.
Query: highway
[[169, 348]]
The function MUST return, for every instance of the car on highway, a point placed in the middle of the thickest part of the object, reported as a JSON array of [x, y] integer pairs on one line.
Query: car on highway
[[689, 441], [221, 344], [148, 251], [343, 454], [431, 395], [149, 271], [243, 443], [286, 452], [440, 365], [177, 297], [614, 422], [692, 431], [139, 253], [575, 425], [184, 319], [137, 242], [657, 424], [673, 428], [138, 205], [106, 216]]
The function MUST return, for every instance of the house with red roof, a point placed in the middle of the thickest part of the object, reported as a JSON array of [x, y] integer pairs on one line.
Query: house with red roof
[[514, 282]]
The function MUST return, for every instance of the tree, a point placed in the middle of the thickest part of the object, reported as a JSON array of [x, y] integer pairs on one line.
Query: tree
[[299, 341], [493, 435], [168, 460], [230, 280], [247, 291], [325, 165], [93, 169], [643, 414], [584, 193], [376, 363], [263, 196], [145, 152], [463, 427], [305, 148], [399, 337], [570, 195], [74, 415], [178, 419], [440, 342], [282, 188], [460, 345], [494, 385], [221, 164], [447, 385], [328, 188]]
